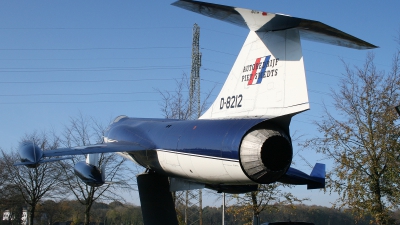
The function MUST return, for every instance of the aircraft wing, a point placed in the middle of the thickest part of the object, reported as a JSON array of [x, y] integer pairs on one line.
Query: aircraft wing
[[32, 155], [98, 148]]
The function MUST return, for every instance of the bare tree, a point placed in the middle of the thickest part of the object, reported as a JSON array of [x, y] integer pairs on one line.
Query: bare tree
[[44, 181], [10, 198], [120, 176], [175, 104]]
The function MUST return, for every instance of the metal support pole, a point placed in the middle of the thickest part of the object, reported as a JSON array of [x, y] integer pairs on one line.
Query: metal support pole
[[256, 220], [200, 207], [223, 208], [186, 207]]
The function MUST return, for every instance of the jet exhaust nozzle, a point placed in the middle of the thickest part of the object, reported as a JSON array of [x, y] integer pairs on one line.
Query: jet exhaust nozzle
[[265, 154]]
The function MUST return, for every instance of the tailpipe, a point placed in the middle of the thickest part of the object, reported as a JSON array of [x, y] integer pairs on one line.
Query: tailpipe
[[265, 154]]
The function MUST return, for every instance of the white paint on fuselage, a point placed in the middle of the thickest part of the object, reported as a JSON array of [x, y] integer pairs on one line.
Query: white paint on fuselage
[[203, 169]]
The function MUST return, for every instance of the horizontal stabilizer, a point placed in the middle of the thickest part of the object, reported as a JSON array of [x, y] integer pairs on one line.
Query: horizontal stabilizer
[[260, 21], [315, 180]]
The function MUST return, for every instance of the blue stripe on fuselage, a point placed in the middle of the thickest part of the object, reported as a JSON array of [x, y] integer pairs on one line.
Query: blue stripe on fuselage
[[212, 138]]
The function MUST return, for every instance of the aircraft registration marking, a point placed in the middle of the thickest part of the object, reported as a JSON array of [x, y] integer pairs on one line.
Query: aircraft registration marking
[[234, 101]]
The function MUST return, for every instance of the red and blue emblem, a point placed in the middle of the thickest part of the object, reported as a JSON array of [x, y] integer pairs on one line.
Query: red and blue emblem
[[259, 68]]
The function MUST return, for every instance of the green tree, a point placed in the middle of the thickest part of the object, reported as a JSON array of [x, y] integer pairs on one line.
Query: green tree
[[212, 215], [268, 198], [362, 138], [124, 214]]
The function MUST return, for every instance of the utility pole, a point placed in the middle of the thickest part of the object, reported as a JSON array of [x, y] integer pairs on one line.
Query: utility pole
[[194, 197]]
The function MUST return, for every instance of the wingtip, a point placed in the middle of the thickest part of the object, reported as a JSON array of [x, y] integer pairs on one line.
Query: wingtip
[[374, 46]]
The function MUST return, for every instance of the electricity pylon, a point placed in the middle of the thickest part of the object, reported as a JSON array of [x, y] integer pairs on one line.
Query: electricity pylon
[[194, 197]]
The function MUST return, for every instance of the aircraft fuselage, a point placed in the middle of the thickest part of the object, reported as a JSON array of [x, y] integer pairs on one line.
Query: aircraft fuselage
[[206, 151]]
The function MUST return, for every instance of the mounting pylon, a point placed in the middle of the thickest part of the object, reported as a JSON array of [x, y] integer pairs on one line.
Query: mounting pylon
[[194, 198]]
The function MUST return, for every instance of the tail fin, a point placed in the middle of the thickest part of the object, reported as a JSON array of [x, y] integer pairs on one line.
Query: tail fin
[[268, 78]]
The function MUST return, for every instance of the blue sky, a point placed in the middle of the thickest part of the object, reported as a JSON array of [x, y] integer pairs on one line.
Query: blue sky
[[104, 59]]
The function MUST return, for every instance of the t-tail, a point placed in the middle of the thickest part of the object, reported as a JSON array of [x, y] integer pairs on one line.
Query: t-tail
[[268, 77]]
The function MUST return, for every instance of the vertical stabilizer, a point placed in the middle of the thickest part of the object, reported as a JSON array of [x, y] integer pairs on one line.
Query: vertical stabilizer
[[267, 79]]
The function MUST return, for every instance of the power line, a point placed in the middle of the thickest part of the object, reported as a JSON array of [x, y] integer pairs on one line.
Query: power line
[[86, 81], [226, 53], [77, 102], [85, 94], [219, 63], [79, 94], [319, 92], [218, 31], [93, 59], [89, 69], [211, 81], [217, 71], [326, 74], [90, 49], [90, 28]]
